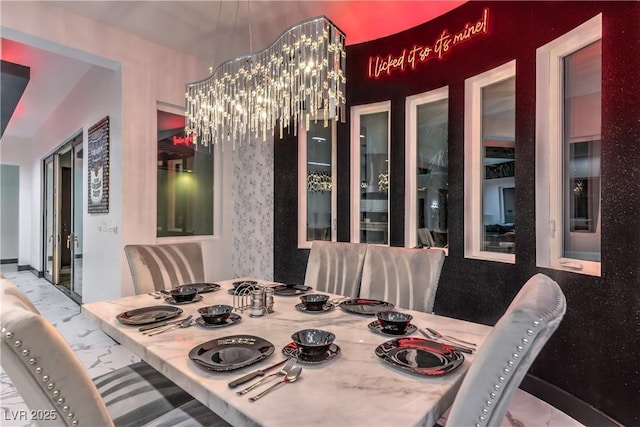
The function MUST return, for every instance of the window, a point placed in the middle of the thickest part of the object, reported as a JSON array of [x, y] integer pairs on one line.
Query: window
[[426, 180], [316, 182], [568, 135], [490, 209], [370, 173], [185, 181]]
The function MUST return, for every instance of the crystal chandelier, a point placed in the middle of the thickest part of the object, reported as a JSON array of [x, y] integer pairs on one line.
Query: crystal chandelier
[[300, 76]]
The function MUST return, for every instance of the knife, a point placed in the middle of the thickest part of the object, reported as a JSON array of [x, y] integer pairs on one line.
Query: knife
[[256, 373], [453, 346], [158, 325]]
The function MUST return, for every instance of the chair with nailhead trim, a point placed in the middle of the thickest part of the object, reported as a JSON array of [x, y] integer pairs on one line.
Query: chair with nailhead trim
[[507, 353], [53, 382]]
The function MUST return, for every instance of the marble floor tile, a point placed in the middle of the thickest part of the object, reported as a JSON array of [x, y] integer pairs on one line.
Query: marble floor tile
[[100, 354]]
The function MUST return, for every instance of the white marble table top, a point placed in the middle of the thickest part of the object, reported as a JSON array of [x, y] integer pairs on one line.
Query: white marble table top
[[356, 388]]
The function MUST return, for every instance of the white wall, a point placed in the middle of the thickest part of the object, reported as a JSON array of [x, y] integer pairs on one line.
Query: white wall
[[148, 73], [9, 212]]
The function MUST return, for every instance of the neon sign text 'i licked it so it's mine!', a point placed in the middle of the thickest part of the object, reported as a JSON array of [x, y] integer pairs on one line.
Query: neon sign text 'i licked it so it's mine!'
[[444, 44]]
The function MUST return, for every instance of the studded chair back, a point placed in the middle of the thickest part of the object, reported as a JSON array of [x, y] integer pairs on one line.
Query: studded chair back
[[52, 380], [405, 277], [507, 353], [9, 288], [335, 267], [45, 370], [160, 267]]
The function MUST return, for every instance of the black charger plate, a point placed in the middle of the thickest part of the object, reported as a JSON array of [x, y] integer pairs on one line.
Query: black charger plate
[[232, 352]]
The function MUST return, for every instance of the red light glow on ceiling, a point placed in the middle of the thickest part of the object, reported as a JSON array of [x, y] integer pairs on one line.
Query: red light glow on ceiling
[[386, 18]]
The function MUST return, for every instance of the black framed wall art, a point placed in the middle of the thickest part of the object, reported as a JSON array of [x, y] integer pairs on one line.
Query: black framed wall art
[[98, 166]]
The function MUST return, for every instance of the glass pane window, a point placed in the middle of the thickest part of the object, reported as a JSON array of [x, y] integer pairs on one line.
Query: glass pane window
[[374, 177], [489, 163], [185, 181], [432, 173], [319, 181], [581, 164], [498, 186], [568, 144]]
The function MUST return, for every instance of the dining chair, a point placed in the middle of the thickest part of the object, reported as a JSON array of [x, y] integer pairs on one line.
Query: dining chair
[[158, 267], [52, 381], [507, 353], [335, 267], [407, 278], [7, 287], [425, 238]]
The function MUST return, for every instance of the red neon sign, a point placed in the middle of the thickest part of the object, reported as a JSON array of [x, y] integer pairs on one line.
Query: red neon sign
[[181, 140], [410, 57]]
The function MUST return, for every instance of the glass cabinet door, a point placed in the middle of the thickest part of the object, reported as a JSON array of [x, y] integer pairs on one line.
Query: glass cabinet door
[[316, 182], [370, 173]]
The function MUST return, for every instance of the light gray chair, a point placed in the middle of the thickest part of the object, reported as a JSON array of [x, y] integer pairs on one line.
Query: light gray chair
[[425, 238], [507, 353], [7, 287], [159, 267], [407, 278], [52, 380], [335, 267]]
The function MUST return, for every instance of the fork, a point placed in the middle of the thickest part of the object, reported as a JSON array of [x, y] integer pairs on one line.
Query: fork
[[284, 371], [184, 324]]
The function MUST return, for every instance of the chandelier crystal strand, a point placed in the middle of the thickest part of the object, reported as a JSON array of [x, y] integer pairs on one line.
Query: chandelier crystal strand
[[301, 75]]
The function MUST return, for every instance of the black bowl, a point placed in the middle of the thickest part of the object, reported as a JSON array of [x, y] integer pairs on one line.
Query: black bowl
[[314, 302], [184, 293], [215, 314], [394, 322], [313, 342]]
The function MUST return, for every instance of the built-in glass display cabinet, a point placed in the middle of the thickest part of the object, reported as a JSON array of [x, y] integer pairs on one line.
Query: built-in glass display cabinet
[[316, 182], [370, 173]]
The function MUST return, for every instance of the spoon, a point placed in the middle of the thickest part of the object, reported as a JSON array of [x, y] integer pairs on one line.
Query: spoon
[[448, 337], [292, 376]]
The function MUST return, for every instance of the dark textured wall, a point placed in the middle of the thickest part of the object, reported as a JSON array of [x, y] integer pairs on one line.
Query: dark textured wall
[[594, 354]]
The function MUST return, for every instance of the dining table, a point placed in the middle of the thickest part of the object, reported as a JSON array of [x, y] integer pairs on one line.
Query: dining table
[[352, 386]]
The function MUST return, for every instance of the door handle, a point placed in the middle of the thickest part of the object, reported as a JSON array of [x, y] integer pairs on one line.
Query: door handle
[[69, 241], [75, 239]]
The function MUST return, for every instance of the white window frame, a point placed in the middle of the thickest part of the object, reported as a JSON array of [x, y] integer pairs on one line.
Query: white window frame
[[549, 148], [217, 190], [356, 112], [303, 243], [411, 154], [474, 164]]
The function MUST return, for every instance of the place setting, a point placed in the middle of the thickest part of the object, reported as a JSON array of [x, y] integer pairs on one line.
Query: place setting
[[147, 315], [365, 306], [312, 346], [315, 304], [290, 290], [241, 287], [392, 323], [420, 356], [231, 352], [217, 316], [183, 295]]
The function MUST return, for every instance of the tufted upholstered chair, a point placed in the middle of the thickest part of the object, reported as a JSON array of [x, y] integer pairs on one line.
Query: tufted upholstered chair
[[507, 353], [51, 378], [9, 288], [405, 277], [159, 267], [335, 267]]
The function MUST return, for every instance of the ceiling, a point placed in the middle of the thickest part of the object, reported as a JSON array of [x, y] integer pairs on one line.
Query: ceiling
[[214, 31]]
